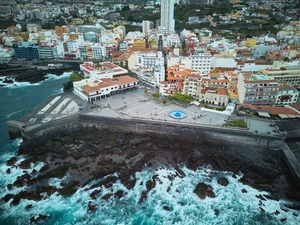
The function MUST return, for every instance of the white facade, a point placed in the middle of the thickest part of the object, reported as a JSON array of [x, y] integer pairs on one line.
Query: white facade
[[108, 37], [146, 27], [33, 28], [45, 51], [6, 54], [73, 43], [223, 60], [99, 50], [150, 67], [92, 90], [173, 40], [199, 61], [167, 22], [103, 70], [252, 67]]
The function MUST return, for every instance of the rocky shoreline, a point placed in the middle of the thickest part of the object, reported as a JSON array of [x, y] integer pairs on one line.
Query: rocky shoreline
[[32, 74], [89, 154]]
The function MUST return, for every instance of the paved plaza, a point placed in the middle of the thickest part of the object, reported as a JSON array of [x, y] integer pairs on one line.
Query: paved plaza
[[136, 104]]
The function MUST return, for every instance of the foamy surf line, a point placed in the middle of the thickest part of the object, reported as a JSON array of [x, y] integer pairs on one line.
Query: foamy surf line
[[170, 201], [15, 84]]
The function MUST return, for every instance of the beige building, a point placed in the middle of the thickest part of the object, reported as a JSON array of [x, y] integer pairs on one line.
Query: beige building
[[257, 89], [217, 97], [290, 75], [192, 85]]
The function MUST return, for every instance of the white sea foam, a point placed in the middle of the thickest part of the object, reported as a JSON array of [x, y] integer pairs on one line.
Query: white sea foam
[[16, 84], [234, 207]]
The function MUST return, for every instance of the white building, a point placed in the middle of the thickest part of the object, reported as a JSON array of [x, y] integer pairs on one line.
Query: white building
[[102, 70], [200, 61], [33, 28], [74, 42], [99, 50], [92, 90], [146, 27], [45, 51], [167, 21], [173, 40], [223, 60], [6, 54], [150, 67]]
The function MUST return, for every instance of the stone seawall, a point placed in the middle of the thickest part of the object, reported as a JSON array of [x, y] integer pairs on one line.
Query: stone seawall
[[292, 127], [193, 133], [188, 132], [40, 132]]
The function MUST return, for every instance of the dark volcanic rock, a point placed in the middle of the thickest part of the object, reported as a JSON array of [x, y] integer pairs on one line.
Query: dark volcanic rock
[[106, 196], [88, 154], [69, 189], [203, 190], [223, 181], [12, 161], [119, 194], [167, 208], [38, 218]]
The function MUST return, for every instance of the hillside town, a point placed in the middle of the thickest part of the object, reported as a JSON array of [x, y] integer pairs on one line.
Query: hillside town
[[213, 65]]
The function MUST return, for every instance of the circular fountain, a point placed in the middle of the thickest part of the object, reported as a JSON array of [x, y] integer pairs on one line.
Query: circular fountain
[[178, 114]]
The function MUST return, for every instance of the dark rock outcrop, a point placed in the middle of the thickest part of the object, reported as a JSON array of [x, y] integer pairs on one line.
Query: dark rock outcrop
[[203, 190]]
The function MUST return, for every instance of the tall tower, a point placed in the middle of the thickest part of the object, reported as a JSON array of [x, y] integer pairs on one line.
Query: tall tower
[[167, 22]]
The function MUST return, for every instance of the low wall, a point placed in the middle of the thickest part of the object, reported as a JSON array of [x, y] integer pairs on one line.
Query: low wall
[[47, 130], [185, 132], [292, 127], [292, 162], [194, 133]]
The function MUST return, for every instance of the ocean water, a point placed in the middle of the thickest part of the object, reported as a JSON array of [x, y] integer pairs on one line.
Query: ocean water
[[170, 202]]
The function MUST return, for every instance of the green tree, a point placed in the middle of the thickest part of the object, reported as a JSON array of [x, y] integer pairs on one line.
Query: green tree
[[75, 76]]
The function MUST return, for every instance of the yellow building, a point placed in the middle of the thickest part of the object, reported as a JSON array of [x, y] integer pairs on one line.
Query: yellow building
[[139, 42], [250, 43]]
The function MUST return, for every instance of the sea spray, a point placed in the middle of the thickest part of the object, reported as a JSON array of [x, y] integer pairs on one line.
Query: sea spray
[[169, 202]]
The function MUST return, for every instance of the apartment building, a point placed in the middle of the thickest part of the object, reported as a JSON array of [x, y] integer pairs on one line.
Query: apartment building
[[99, 50], [176, 77], [192, 85], [290, 75], [26, 50], [83, 49], [45, 51], [149, 66], [257, 89], [33, 28], [287, 95], [199, 60]]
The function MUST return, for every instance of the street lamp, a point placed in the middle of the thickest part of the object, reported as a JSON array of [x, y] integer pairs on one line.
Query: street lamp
[[209, 121]]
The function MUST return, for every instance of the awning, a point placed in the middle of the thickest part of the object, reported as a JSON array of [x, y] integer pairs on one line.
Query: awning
[[195, 103], [264, 114]]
